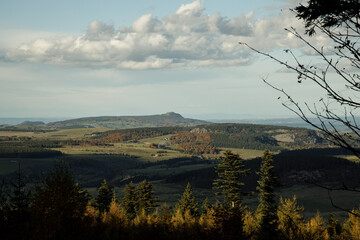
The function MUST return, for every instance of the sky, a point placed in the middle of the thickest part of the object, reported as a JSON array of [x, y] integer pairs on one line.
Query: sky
[[69, 59]]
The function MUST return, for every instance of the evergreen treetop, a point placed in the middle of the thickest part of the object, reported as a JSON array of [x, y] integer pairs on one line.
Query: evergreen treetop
[[267, 208], [130, 200], [146, 199], [105, 195], [229, 171], [188, 202]]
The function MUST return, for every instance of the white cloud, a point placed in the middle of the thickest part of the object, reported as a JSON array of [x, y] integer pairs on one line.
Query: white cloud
[[99, 31], [195, 8], [187, 37]]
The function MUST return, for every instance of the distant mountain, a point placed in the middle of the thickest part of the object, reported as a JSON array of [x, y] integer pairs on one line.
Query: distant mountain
[[31, 123], [124, 122], [20, 121]]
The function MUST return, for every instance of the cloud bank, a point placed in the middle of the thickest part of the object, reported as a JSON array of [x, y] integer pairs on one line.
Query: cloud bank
[[186, 38]]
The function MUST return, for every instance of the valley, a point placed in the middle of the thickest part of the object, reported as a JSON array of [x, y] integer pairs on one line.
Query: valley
[[171, 156]]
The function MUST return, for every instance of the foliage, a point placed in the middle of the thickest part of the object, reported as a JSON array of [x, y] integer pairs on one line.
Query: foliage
[[27, 149], [206, 206], [188, 202], [328, 13], [146, 200], [291, 218], [60, 210], [267, 207], [58, 204], [315, 228], [352, 225], [196, 143], [228, 184], [104, 197], [130, 200]]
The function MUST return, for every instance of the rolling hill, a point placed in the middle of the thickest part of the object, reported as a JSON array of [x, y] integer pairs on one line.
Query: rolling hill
[[124, 122]]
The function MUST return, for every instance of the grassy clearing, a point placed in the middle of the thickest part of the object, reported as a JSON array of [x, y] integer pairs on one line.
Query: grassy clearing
[[314, 199], [160, 139], [245, 153], [351, 158], [140, 150], [66, 134]]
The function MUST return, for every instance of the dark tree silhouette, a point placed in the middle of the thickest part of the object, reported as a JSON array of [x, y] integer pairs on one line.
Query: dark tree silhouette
[[21, 197], [267, 208], [146, 198], [130, 200], [104, 197], [58, 205]]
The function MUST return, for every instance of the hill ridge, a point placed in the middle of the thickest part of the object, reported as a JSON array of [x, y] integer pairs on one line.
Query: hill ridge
[[124, 122]]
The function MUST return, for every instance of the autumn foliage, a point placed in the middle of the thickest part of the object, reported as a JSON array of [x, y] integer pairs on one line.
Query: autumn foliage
[[195, 143]]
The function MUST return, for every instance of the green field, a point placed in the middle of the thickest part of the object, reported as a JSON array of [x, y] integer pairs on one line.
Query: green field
[[67, 134]]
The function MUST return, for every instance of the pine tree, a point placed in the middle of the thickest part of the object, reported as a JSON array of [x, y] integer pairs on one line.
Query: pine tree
[[352, 225], [130, 200], [146, 199], [291, 220], [20, 199], [188, 202], [333, 227], [165, 214], [105, 195], [58, 205], [267, 208], [4, 211], [206, 206], [229, 171]]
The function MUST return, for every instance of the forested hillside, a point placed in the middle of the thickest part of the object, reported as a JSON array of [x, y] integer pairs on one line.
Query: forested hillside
[[206, 138]]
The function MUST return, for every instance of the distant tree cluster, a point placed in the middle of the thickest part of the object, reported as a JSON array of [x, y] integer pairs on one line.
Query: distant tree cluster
[[134, 134], [195, 143], [10, 139]]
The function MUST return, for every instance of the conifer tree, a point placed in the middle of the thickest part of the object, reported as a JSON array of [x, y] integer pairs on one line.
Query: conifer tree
[[229, 171], [165, 214], [130, 200], [291, 220], [58, 205], [206, 206], [146, 199], [267, 208], [352, 225], [188, 202], [105, 195], [20, 198], [333, 227], [4, 211]]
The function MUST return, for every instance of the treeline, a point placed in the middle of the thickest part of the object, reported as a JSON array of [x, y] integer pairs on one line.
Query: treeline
[[292, 167], [135, 133], [210, 137], [29, 149], [57, 208], [245, 140]]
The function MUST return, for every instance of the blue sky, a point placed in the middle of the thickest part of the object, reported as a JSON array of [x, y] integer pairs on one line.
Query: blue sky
[[93, 58]]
